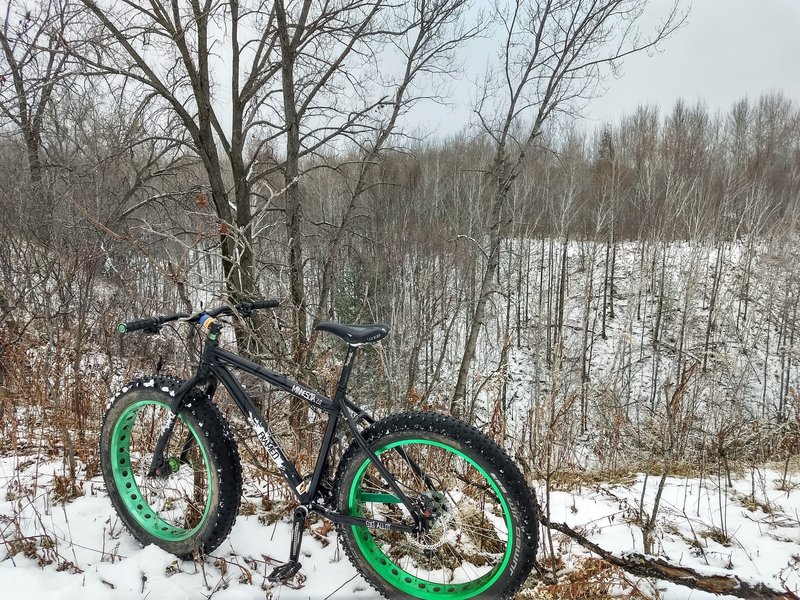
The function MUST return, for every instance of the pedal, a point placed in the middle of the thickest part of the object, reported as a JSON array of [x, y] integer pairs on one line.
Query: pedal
[[284, 572]]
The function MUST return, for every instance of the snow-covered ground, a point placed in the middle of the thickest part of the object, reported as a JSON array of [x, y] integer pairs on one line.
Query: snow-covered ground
[[751, 529], [79, 550], [93, 556]]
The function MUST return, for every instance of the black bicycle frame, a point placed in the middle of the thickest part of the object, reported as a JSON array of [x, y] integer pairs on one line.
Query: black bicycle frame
[[214, 367]]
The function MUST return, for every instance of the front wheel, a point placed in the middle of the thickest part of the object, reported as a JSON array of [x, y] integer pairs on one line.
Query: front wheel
[[482, 534], [191, 504]]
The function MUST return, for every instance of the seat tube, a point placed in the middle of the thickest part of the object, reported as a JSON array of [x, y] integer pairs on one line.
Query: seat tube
[[341, 404], [344, 378]]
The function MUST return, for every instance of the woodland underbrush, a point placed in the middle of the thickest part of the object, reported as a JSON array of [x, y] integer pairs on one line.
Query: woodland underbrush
[[676, 482]]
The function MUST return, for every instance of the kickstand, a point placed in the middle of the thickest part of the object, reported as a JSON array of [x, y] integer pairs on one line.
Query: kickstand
[[284, 572]]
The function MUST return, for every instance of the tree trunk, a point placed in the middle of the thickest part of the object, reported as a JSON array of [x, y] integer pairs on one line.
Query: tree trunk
[[713, 303], [478, 317]]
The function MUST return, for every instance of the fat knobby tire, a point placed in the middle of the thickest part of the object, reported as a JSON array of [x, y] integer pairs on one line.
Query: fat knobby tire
[[472, 443], [220, 448]]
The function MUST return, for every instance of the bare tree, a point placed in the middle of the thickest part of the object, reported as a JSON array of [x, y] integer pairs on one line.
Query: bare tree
[[304, 79], [33, 63], [167, 51], [428, 33], [554, 54]]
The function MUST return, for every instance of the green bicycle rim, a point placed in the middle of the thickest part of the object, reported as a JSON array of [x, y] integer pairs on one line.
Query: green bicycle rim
[[135, 504], [405, 581]]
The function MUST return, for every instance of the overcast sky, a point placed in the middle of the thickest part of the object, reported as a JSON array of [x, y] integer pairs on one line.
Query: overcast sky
[[728, 49]]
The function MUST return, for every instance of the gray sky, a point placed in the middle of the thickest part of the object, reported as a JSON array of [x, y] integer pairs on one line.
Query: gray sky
[[728, 49]]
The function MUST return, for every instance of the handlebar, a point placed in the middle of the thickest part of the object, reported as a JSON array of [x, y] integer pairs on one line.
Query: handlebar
[[153, 324], [245, 308]]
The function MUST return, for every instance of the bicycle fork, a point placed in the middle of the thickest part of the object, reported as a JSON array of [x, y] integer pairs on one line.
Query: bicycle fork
[[158, 466]]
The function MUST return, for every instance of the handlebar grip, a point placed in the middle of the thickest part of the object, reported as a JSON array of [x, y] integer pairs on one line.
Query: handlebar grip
[[247, 307], [258, 304], [138, 325]]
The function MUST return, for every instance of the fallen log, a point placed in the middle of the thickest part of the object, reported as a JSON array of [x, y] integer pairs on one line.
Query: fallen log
[[659, 568]]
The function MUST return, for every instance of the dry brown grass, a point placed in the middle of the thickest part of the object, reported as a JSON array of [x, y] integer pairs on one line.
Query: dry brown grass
[[567, 481], [593, 579]]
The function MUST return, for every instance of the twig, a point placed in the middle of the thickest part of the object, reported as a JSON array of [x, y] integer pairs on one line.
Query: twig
[[340, 587]]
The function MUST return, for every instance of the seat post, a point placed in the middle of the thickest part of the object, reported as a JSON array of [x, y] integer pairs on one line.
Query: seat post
[[347, 368]]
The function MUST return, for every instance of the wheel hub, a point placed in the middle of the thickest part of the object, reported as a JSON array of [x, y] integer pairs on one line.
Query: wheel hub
[[440, 518]]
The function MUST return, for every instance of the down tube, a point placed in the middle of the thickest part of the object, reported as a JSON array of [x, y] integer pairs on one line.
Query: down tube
[[261, 429]]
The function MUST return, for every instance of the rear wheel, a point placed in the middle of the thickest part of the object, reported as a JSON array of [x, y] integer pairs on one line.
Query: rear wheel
[[483, 531], [192, 503]]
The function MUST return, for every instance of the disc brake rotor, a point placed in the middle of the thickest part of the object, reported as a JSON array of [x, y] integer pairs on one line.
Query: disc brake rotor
[[444, 519]]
